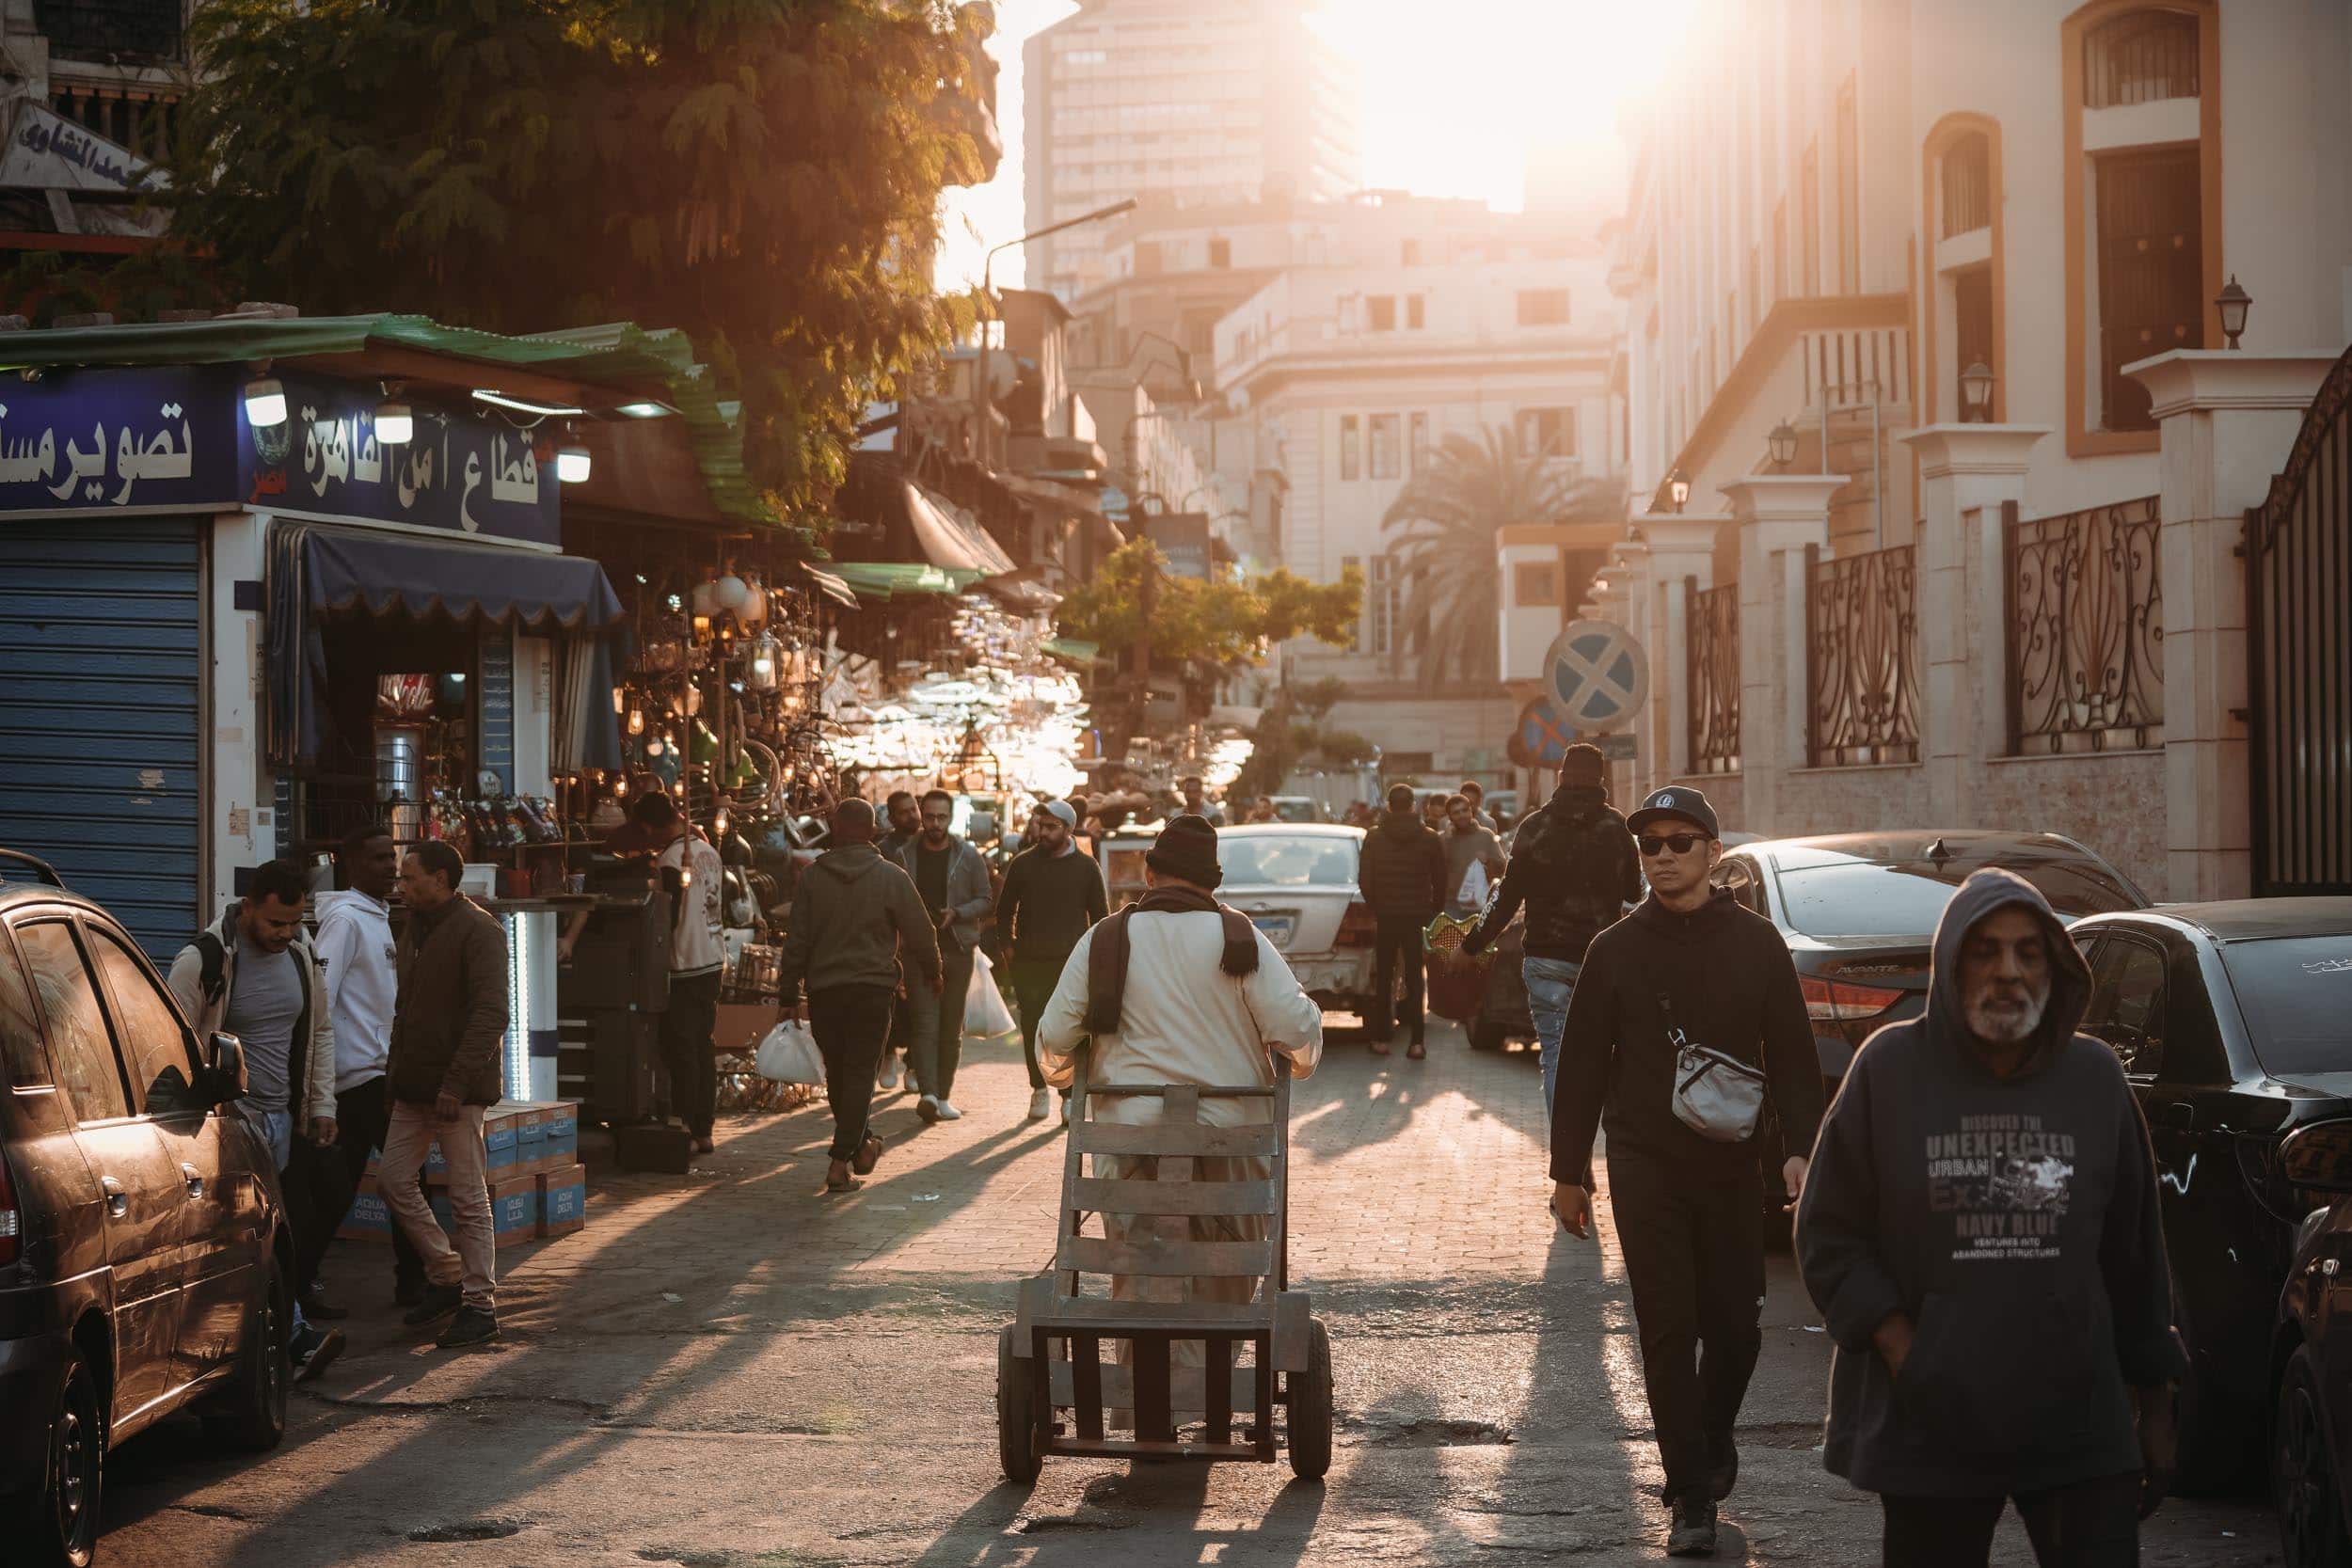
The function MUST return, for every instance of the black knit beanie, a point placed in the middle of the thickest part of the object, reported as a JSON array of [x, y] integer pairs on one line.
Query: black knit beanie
[[1187, 849]]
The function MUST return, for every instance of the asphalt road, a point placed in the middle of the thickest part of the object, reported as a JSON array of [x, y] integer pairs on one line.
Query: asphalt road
[[729, 1370]]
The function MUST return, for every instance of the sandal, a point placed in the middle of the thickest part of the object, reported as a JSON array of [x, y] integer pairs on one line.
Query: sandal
[[868, 1152], [842, 1184]]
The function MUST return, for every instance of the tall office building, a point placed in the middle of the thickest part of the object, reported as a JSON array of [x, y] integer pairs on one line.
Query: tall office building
[[1197, 100]]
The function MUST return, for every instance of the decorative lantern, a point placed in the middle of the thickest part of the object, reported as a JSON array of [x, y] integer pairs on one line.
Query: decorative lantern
[[730, 593]]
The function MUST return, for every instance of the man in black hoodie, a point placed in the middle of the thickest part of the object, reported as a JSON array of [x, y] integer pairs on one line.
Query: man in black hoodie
[[1689, 964], [1981, 1235], [1572, 866], [1401, 876]]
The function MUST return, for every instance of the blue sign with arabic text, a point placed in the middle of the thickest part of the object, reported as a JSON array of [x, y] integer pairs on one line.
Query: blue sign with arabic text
[[148, 439]]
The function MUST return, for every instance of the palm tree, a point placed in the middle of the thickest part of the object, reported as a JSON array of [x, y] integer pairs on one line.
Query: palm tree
[[1446, 518]]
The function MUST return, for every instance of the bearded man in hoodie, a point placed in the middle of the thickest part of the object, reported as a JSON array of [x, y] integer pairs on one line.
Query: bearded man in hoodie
[[851, 912], [1982, 1237], [1403, 877]]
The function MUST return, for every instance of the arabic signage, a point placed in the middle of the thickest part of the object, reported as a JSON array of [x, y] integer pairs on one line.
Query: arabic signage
[[47, 152], [145, 440]]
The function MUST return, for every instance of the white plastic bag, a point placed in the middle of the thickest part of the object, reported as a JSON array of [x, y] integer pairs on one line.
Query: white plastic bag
[[790, 1055], [1471, 895], [984, 1010]]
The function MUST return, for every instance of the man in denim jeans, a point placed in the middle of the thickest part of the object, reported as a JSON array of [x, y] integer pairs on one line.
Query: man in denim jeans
[[1573, 866]]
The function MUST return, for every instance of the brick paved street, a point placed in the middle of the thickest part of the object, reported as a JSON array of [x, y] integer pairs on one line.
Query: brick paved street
[[730, 1370]]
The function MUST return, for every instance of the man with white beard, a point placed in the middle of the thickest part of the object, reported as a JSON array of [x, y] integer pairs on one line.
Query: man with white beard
[[1979, 1230]]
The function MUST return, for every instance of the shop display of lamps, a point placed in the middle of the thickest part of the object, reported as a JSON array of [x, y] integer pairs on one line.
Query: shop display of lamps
[[767, 657], [637, 720], [2233, 302], [1975, 393], [264, 402], [730, 593]]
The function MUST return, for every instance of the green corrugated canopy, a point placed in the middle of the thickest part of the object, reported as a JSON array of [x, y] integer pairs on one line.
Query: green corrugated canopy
[[889, 579], [1075, 650]]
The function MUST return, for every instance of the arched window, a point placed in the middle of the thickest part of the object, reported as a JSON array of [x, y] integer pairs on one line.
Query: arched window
[[2141, 56], [1961, 309], [1968, 182]]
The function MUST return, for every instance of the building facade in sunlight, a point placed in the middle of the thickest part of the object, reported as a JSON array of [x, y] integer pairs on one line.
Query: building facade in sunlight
[[1194, 102], [1931, 306]]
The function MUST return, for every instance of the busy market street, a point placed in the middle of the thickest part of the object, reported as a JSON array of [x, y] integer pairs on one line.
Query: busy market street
[[732, 1373]]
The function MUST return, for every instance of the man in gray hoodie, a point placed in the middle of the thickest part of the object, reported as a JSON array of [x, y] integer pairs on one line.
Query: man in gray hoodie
[[851, 912], [1980, 1232]]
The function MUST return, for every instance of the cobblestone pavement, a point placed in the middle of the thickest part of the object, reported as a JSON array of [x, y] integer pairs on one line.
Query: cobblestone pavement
[[729, 1370]]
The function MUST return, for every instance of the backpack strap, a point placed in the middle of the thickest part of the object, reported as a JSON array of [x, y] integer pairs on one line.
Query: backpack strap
[[215, 956], [1106, 974]]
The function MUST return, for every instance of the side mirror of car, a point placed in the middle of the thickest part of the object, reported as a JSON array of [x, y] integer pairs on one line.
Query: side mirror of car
[[225, 1068], [2318, 1158]]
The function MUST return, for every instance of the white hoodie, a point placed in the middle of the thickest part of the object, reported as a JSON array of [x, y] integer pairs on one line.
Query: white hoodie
[[354, 942]]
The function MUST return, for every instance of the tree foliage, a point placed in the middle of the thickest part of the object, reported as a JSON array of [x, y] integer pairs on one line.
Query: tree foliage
[[764, 174], [1219, 621], [1445, 520]]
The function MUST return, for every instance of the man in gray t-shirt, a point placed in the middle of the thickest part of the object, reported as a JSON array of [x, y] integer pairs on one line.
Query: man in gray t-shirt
[[263, 1010]]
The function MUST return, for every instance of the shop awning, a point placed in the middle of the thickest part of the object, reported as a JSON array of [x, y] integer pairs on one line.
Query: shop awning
[[1079, 652], [425, 580], [889, 579], [947, 541], [830, 586]]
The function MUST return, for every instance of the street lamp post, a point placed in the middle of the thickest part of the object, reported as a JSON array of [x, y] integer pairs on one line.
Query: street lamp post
[[1976, 392], [987, 299]]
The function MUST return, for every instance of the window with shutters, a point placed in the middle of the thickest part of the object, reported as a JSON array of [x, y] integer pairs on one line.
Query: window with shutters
[[1536, 585], [1380, 312], [1548, 433], [1385, 455], [1417, 441], [2142, 56], [1416, 311], [2151, 271], [1351, 447], [1220, 253]]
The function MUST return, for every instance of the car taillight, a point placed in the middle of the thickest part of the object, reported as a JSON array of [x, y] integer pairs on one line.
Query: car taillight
[[1839, 1001], [11, 1221], [1357, 928]]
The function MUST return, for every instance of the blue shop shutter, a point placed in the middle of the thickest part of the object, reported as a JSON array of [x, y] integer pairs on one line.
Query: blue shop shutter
[[101, 708]]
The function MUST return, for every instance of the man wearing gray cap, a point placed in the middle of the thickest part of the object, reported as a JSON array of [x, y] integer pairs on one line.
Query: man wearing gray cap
[[1050, 896]]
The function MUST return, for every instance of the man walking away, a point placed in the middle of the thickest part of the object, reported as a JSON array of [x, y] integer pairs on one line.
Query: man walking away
[[1468, 844], [1196, 801], [953, 880], [851, 916], [253, 973], [355, 943], [1981, 1234], [1689, 964], [1402, 875], [1051, 894], [697, 955], [1573, 866], [1178, 989], [447, 1030], [902, 819]]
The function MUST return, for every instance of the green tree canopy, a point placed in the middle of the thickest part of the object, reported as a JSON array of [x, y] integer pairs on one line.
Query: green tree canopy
[[1445, 520], [765, 174], [1219, 621]]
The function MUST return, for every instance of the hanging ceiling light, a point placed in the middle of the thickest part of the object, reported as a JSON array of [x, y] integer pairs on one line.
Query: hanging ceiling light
[[395, 426], [264, 403], [571, 463]]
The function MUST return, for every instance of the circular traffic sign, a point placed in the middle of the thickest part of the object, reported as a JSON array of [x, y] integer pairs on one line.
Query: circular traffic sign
[[1542, 735], [1597, 674]]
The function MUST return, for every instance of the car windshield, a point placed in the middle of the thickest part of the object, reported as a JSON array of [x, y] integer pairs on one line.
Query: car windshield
[[1905, 898], [1287, 860], [2296, 992]]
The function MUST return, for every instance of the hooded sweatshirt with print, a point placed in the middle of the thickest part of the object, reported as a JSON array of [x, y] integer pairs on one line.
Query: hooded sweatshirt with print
[[2014, 1220], [850, 914]]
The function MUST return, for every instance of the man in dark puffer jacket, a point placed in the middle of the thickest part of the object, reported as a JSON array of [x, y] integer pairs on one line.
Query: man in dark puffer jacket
[[1403, 877], [1573, 866]]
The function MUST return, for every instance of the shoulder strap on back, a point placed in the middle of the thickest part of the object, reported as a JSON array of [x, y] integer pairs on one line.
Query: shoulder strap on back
[[1106, 974], [215, 959]]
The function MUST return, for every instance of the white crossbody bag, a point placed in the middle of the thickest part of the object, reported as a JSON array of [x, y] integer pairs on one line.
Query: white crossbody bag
[[1716, 1096]]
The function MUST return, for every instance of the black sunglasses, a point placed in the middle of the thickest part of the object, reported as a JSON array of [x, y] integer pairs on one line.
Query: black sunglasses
[[1681, 844]]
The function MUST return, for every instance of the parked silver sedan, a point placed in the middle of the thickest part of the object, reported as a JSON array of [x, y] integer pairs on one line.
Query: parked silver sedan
[[1297, 881]]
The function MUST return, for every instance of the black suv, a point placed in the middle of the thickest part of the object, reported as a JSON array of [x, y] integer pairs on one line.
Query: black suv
[[145, 1259]]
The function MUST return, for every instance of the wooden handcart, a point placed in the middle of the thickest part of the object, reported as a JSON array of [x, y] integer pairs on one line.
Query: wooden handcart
[[1055, 1394]]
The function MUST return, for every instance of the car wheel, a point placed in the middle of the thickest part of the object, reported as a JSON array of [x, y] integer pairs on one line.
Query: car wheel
[[255, 1419], [2303, 1472], [1487, 1034], [64, 1520]]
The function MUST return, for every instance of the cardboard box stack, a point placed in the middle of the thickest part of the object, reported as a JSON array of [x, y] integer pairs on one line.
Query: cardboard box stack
[[538, 1184]]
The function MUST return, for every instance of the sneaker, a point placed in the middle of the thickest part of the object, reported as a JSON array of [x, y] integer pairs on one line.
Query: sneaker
[[317, 1308], [407, 1290], [1041, 1105], [436, 1301], [945, 1112], [1694, 1531], [926, 1108], [1727, 1470], [479, 1325], [314, 1350], [886, 1077]]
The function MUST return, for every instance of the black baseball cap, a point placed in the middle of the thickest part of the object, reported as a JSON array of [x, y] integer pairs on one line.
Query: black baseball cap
[[1675, 800]]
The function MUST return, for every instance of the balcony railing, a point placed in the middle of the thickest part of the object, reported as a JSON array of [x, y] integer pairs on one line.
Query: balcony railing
[[105, 28], [2086, 629], [1712, 635], [1862, 641]]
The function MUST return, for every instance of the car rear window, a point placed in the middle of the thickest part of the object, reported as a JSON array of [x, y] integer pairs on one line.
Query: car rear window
[[2295, 993], [1287, 860], [1863, 900]]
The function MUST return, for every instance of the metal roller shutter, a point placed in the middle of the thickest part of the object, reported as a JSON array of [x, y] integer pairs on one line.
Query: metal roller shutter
[[102, 711]]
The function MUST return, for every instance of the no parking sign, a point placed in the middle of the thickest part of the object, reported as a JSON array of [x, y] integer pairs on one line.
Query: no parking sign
[[1598, 676]]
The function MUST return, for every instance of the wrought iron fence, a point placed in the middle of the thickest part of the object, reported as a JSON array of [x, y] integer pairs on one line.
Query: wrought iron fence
[[2085, 636], [1862, 658], [1712, 635]]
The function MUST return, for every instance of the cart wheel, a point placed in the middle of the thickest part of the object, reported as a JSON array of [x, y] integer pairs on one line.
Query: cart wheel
[[1311, 1408], [1016, 1434]]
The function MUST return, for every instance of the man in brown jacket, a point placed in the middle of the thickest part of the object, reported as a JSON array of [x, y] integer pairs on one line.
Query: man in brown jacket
[[448, 1026]]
